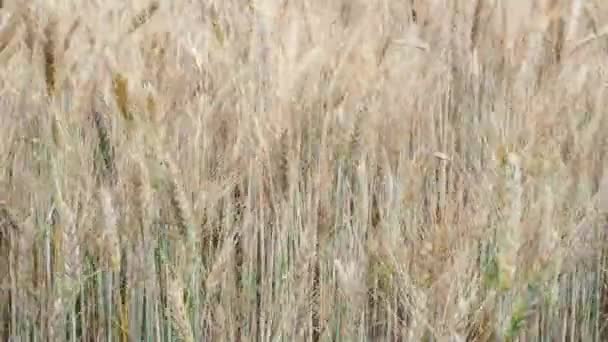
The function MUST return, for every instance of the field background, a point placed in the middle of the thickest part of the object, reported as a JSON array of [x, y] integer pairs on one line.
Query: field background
[[314, 170]]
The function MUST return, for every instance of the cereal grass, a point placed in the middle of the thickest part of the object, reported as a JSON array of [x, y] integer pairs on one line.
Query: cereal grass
[[318, 170]]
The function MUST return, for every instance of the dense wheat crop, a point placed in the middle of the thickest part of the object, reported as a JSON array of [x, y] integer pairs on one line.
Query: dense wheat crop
[[313, 170]]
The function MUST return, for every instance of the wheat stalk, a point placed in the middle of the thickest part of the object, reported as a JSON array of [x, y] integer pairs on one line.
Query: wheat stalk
[[8, 277]]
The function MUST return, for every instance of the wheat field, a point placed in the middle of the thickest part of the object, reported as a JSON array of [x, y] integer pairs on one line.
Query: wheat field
[[313, 170]]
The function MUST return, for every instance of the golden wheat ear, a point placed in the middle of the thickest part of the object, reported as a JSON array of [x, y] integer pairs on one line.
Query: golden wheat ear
[[144, 16], [50, 57], [107, 168], [120, 90]]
